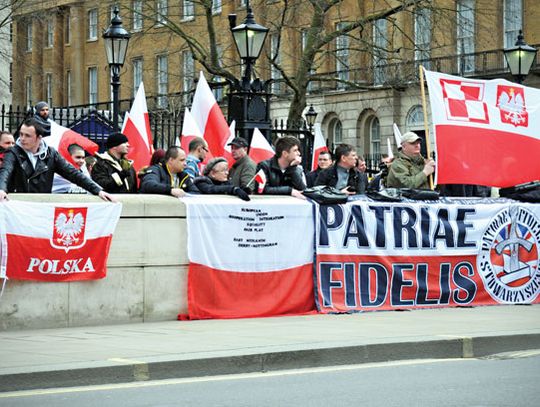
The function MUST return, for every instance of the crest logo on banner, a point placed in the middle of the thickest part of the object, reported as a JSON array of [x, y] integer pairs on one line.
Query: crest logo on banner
[[511, 103], [509, 256], [463, 101], [69, 228]]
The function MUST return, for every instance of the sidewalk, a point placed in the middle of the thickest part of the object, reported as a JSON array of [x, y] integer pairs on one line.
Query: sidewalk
[[150, 351]]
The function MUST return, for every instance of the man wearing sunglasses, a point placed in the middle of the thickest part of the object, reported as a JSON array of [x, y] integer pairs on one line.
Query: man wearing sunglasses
[[198, 148]]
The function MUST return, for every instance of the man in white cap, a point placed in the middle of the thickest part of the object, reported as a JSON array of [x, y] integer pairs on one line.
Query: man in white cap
[[410, 169]]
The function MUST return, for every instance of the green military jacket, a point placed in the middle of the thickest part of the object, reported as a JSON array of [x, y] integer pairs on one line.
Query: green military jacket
[[406, 172]]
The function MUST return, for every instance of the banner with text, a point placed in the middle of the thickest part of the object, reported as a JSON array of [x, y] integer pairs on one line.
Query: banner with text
[[56, 242], [380, 256], [249, 259]]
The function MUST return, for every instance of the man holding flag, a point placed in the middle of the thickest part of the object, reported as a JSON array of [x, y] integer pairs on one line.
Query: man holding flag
[[410, 169]]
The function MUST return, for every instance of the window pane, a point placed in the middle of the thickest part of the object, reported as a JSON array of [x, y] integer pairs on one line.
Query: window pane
[[465, 35], [380, 45], [92, 24], [137, 15], [163, 81], [513, 21], [92, 86], [422, 36]]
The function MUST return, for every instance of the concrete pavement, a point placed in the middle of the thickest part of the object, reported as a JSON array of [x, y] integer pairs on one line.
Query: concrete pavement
[[150, 351]]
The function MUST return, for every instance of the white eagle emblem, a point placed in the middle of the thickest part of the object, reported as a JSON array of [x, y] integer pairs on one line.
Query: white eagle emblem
[[511, 102], [69, 227]]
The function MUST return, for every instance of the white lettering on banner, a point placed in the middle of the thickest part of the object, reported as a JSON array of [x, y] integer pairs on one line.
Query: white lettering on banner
[[509, 257], [396, 227], [71, 266]]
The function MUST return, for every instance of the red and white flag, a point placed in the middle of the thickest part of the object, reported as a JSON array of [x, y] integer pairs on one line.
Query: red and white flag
[[319, 145], [136, 128], [190, 130], [57, 242], [61, 138], [241, 260], [486, 132], [260, 149], [260, 179], [209, 118]]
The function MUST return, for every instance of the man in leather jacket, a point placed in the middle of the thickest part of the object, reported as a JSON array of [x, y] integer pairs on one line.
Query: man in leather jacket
[[30, 165], [168, 177], [283, 173], [344, 175]]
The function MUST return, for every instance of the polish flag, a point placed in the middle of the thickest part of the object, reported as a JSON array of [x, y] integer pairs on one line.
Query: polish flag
[[61, 138], [233, 275], [319, 145], [190, 130], [389, 148], [209, 118], [260, 149], [58, 241], [485, 131], [227, 154], [136, 127], [397, 135], [260, 179]]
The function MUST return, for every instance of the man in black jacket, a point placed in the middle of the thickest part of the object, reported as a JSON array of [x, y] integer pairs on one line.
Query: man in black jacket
[[168, 178], [30, 165], [283, 174], [324, 161], [113, 171], [344, 175]]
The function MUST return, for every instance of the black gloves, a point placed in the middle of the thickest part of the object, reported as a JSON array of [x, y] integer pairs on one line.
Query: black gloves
[[240, 193]]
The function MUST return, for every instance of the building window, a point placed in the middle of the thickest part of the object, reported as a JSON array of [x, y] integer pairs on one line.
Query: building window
[[275, 73], [29, 37], [48, 89], [137, 74], [218, 90], [465, 35], [162, 10], [188, 73], [137, 15], [513, 21], [216, 6], [162, 81], [422, 36], [342, 57], [28, 91], [188, 10], [50, 33], [68, 26], [92, 24], [92, 86], [415, 118], [111, 11], [68, 88], [243, 3], [380, 47], [336, 132], [375, 136]]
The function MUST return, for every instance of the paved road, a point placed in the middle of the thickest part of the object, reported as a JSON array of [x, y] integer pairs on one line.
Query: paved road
[[497, 381]]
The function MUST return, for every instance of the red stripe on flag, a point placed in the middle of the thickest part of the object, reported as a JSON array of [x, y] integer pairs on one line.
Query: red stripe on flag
[[35, 259], [216, 131], [472, 155], [224, 294]]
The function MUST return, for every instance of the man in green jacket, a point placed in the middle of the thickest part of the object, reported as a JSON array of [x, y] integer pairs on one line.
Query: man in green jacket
[[410, 169]]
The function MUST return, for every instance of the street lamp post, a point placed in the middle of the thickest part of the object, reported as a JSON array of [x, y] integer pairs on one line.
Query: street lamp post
[[520, 58], [249, 100], [311, 116], [116, 43]]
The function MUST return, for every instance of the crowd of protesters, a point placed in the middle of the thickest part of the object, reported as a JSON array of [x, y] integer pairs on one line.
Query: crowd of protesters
[[29, 165]]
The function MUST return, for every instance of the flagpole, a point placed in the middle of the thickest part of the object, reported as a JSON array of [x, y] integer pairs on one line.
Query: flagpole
[[426, 127]]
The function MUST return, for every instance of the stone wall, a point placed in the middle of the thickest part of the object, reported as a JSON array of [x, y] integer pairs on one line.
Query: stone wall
[[146, 278]]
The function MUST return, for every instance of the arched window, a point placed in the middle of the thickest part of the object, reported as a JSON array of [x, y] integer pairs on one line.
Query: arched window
[[336, 132], [375, 136], [415, 118]]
